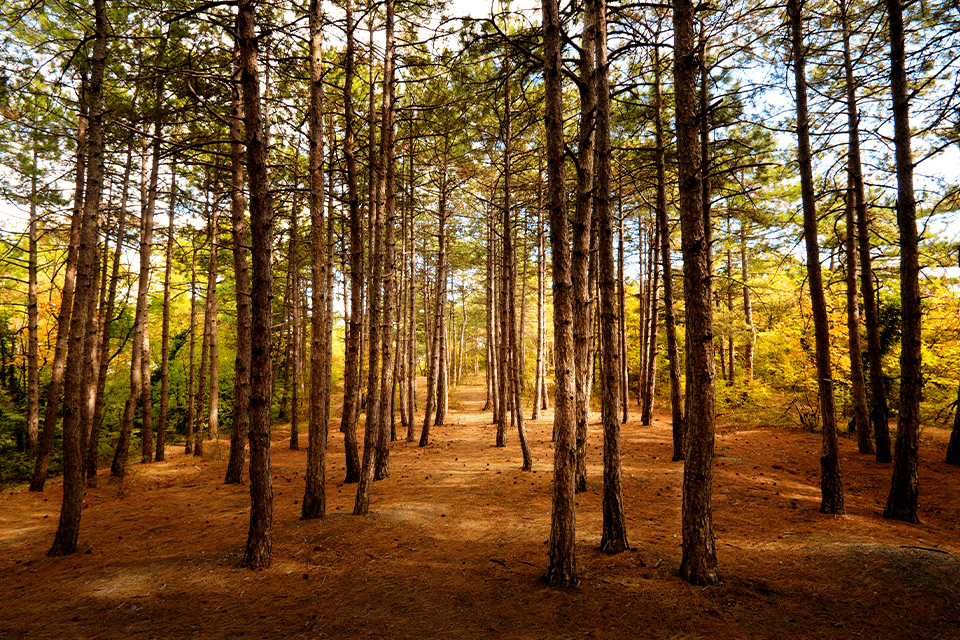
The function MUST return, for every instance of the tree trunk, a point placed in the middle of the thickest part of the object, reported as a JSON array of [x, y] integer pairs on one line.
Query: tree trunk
[[669, 311], [953, 448], [582, 226], [650, 375], [510, 288], [68, 529], [351, 374], [315, 492], [33, 376], [293, 264], [58, 366], [388, 219], [902, 501], [412, 336], [614, 538], [146, 400], [562, 570], [103, 361], [375, 316], [260, 536], [622, 308], [241, 276], [119, 466], [540, 385], [831, 487], [699, 560], [191, 384], [861, 415], [165, 327], [748, 348]]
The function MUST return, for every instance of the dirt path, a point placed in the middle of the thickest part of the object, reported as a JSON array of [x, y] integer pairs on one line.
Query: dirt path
[[456, 541]]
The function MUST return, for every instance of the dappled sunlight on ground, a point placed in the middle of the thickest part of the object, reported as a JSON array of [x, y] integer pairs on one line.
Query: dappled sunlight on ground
[[456, 541]]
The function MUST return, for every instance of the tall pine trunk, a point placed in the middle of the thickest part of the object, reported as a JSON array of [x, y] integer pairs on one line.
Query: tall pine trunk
[[699, 560], [260, 535], [241, 276], [562, 568], [351, 374], [315, 494], [831, 487], [58, 366], [902, 501], [68, 528], [614, 538]]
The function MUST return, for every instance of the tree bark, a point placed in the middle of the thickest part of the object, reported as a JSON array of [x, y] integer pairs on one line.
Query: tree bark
[[165, 327], [260, 535], [389, 198], [953, 448], [351, 374], [33, 357], [293, 264], [861, 415], [68, 528], [510, 289], [582, 225], [749, 347], [614, 538], [831, 487], [241, 276], [376, 315], [699, 560], [562, 569], [103, 361], [315, 494], [902, 501], [119, 466], [58, 366], [191, 384]]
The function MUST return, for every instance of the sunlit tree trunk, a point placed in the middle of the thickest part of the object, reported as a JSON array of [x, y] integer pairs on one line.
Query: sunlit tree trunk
[[351, 375], [699, 558], [58, 366], [902, 501], [831, 487], [121, 453], [68, 528], [103, 361], [192, 383], [562, 569], [388, 197], [315, 494], [614, 538], [582, 225], [165, 323]]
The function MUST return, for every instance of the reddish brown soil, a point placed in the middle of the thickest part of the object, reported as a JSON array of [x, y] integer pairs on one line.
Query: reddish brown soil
[[457, 540]]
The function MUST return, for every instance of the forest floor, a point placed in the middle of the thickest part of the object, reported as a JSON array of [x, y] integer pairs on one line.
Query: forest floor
[[456, 542]]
